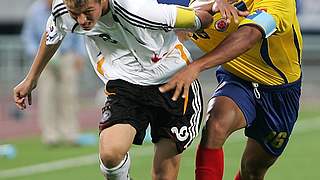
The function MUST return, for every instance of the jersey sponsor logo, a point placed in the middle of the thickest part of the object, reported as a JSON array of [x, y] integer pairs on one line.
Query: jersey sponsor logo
[[221, 25], [181, 134], [107, 37]]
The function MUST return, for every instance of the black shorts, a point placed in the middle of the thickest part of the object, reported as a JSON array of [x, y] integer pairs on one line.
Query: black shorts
[[140, 106]]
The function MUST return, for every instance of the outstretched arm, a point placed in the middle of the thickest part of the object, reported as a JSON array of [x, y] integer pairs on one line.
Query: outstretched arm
[[227, 9], [24, 88], [234, 45]]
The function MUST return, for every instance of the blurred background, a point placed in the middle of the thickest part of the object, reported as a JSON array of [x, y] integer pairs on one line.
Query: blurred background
[[24, 156]]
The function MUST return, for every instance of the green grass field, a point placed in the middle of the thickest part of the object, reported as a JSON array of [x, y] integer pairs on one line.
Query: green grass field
[[36, 162]]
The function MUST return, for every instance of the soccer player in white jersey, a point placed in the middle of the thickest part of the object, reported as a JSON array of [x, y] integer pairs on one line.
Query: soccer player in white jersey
[[133, 50]]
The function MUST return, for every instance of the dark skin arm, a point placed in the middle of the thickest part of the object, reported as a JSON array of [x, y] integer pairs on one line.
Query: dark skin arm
[[233, 46]]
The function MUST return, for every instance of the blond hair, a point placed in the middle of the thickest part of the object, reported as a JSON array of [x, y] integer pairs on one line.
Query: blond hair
[[78, 3]]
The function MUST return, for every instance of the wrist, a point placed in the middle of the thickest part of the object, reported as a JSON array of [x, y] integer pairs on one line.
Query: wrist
[[31, 78], [197, 66], [197, 23]]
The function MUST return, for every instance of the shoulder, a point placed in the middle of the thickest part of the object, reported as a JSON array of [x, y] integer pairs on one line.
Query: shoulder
[[129, 5], [58, 5], [60, 13]]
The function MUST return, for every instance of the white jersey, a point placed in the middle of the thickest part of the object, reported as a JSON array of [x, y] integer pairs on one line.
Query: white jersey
[[134, 41]]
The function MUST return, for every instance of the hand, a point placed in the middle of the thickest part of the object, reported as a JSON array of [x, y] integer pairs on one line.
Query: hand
[[23, 90], [227, 10], [225, 7], [181, 81]]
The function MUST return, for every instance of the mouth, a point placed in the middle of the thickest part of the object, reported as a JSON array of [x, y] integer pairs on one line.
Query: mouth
[[86, 27]]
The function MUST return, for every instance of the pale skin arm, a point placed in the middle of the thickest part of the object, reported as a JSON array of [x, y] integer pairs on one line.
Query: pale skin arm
[[205, 10], [24, 88], [234, 45], [225, 7]]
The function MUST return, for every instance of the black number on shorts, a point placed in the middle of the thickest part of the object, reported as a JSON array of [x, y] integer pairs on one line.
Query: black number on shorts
[[277, 139]]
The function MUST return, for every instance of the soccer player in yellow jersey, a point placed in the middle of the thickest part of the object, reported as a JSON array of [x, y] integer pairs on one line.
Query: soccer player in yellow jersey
[[259, 86]]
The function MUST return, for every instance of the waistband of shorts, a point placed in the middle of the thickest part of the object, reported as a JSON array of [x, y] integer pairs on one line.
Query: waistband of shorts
[[294, 84]]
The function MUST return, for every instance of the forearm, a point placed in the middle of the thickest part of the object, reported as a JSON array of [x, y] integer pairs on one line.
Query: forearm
[[43, 56], [233, 46]]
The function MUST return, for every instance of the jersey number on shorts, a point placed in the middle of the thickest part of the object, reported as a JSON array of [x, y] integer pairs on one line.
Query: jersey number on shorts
[[277, 139], [181, 134]]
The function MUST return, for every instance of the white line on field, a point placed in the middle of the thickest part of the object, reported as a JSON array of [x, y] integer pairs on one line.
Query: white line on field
[[307, 125]]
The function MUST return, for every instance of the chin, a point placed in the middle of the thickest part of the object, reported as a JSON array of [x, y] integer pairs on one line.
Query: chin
[[86, 28]]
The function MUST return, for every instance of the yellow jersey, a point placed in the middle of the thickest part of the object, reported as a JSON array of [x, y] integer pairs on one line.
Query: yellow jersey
[[276, 58]]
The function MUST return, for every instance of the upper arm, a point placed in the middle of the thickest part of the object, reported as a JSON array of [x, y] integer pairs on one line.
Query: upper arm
[[146, 13], [54, 32], [151, 15], [273, 16], [250, 34]]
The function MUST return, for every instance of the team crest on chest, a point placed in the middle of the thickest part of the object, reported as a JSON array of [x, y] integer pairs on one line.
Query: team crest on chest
[[221, 25]]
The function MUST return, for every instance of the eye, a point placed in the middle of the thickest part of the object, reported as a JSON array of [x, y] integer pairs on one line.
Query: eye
[[88, 12]]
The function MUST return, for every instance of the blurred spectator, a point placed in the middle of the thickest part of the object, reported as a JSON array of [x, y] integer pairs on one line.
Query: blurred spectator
[[58, 92], [299, 6], [309, 12]]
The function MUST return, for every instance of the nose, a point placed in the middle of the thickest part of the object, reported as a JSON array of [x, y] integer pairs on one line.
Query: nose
[[81, 19]]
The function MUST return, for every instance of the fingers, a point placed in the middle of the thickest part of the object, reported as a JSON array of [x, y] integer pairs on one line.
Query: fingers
[[185, 91], [167, 87], [177, 92], [178, 87], [29, 99], [232, 1], [243, 13], [222, 12], [20, 103], [18, 100], [170, 86], [228, 11], [235, 16], [228, 16]]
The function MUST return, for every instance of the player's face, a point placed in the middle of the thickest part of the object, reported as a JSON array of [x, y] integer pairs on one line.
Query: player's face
[[86, 14]]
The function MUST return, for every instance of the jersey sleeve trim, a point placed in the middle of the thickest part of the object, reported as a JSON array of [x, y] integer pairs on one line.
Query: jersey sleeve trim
[[53, 33], [139, 21], [185, 18]]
